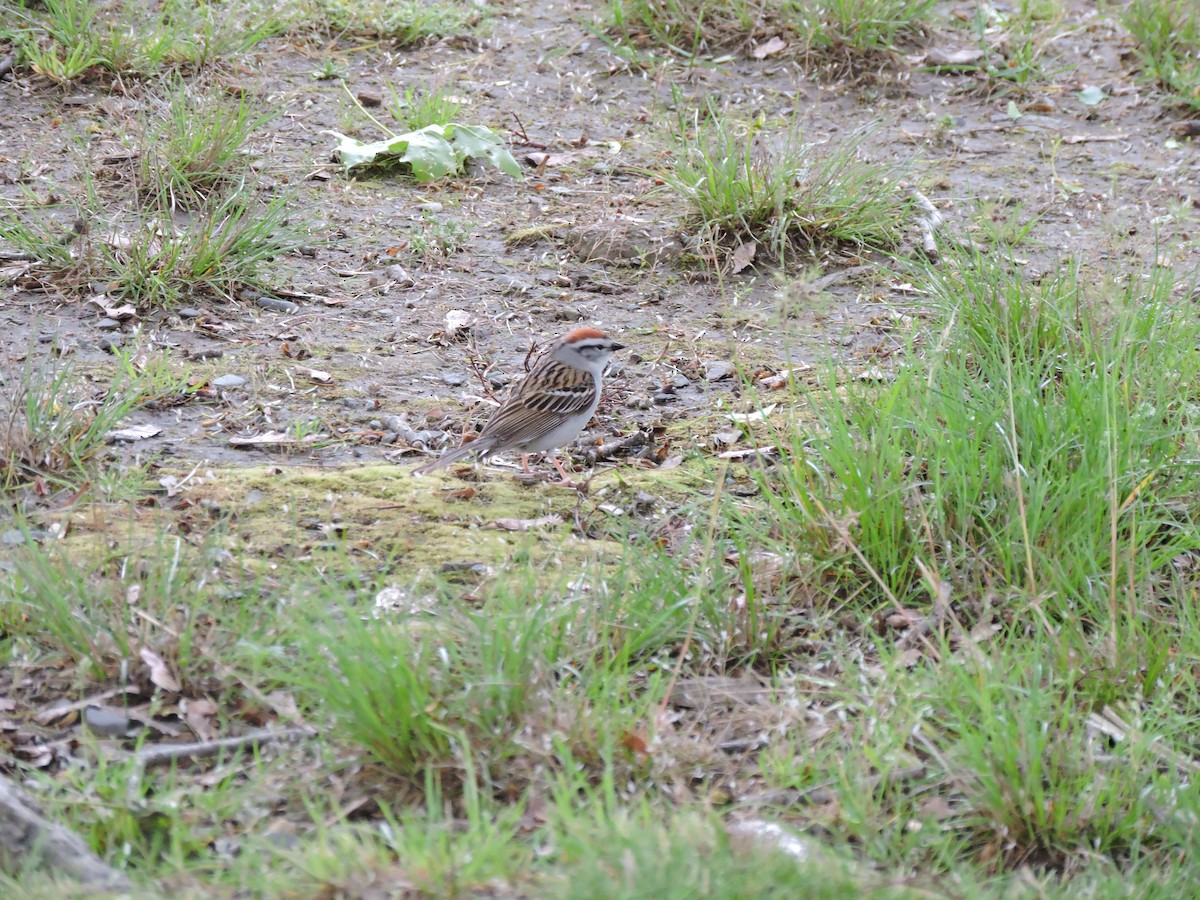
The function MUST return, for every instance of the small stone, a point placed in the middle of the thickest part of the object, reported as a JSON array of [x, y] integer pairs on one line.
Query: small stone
[[112, 343], [228, 382], [718, 369], [499, 379], [106, 722], [277, 305], [370, 98], [680, 381], [189, 312], [431, 207], [107, 324], [454, 379], [661, 399]]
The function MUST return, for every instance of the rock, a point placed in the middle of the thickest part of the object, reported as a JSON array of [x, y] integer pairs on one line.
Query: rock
[[189, 312], [111, 343], [397, 273], [105, 721], [431, 207], [680, 381], [454, 379], [277, 305], [662, 399], [228, 382], [107, 324], [370, 98]]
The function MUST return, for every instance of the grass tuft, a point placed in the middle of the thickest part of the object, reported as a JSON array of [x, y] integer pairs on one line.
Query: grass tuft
[[787, 196], [1168, 38]]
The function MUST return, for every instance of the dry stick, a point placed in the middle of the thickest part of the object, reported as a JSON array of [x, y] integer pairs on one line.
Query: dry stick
[[165, 753], [28, 840]]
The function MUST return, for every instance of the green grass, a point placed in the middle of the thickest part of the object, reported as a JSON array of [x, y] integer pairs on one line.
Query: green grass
[[819, 29], [406, 22], [54, 422], [414, 109], [225, 244], [766, 185], [67, 40], [1167, 33], [194, 144]]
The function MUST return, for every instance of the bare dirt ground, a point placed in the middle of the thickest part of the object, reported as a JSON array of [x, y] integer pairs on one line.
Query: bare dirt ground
[[1090, 175]]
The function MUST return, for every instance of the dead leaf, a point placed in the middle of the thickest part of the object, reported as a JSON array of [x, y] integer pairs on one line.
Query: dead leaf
[[160, 675], [937, 56], [200, 716], [747, 452], [742, 256], [759, 415], [550, 160], [774, 45], [274, 438], [1093, 138], [529, 524], [134, 433], [458, 321], [120, 313]]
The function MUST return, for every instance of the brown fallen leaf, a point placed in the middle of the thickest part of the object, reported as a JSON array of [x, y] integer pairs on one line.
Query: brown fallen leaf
[[772, 46], [742, 256], [274, 438], [160, 674], [529, 524], [134, 433], [200, 716], [320, 377], [120, 313], [938, 56], [1092, 138]]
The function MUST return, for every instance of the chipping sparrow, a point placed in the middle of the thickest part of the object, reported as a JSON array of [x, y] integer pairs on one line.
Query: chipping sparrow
[[549, 407]]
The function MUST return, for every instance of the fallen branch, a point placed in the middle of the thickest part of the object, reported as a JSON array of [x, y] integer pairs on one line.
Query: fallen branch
[[165, 753], [28, 840]]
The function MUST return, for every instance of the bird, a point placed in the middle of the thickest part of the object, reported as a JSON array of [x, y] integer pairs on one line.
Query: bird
[[549, 407]]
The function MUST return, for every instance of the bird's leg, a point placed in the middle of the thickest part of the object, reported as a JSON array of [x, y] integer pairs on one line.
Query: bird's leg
[[525, 463]]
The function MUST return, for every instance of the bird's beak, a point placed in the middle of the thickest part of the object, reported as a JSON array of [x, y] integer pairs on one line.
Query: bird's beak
[[616, 346]]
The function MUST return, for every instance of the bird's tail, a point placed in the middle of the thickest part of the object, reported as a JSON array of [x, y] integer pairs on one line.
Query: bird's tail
[[449, 457]]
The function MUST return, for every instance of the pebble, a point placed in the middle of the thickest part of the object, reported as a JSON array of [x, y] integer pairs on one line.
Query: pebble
[[433, 207], [277, 305], [226, 382], [107, 324], [680, 381], [189, 312], [111, 343], [454, 379], [661, 399], [499, 379], [106, 722]]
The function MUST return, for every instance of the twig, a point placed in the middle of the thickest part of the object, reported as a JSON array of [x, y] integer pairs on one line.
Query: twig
[[165, 753]]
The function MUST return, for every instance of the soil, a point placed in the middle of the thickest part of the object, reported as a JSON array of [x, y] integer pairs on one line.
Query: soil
[[1096, 180]]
